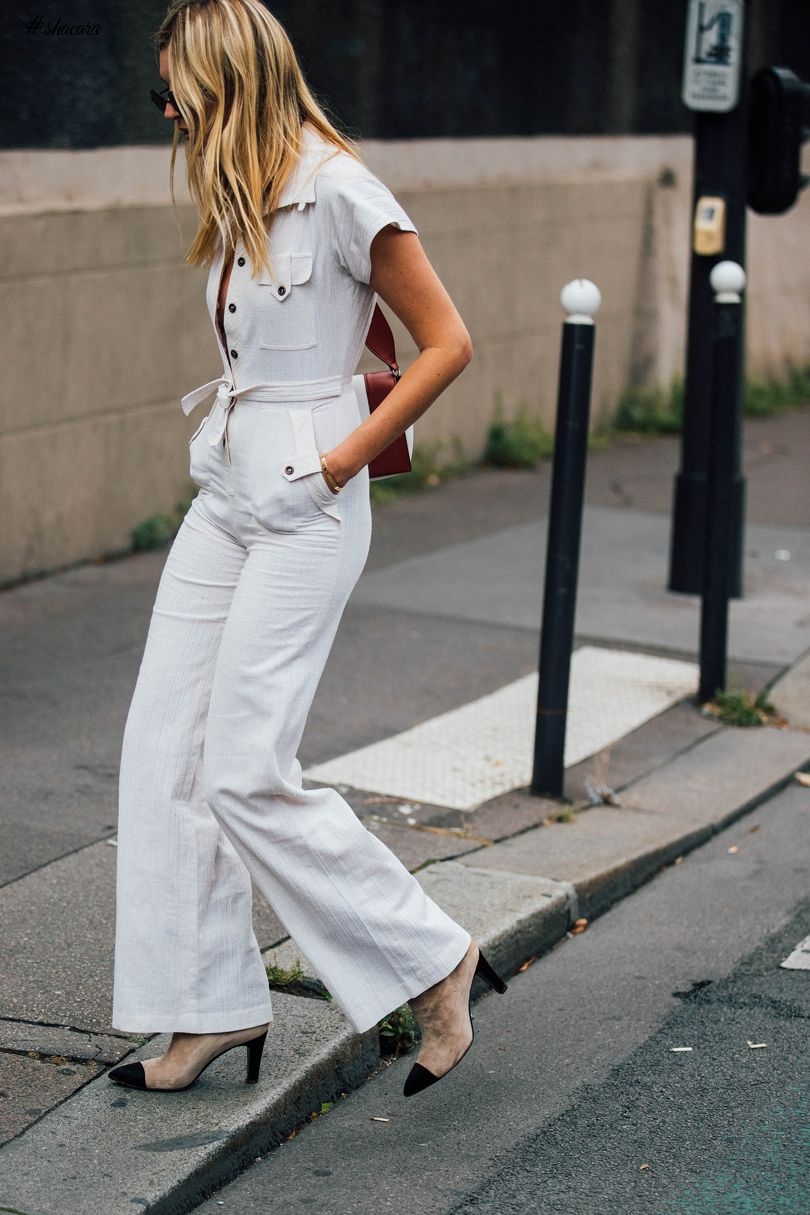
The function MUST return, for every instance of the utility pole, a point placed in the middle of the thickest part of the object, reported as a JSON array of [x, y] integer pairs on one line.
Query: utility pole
[[714, 86]]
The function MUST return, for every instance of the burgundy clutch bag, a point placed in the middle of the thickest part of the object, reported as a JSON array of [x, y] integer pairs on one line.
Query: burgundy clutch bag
[[396, 458]]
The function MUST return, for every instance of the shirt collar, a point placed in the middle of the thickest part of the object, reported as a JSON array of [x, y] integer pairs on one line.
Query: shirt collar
[[300, 185]]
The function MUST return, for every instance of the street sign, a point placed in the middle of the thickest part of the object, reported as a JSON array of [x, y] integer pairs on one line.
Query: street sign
[[711, 62]]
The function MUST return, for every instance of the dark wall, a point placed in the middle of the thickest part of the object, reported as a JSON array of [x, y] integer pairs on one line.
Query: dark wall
[[392, 68]]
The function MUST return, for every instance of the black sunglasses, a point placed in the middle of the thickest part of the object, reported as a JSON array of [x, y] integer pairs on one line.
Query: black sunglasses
[[163, 98]]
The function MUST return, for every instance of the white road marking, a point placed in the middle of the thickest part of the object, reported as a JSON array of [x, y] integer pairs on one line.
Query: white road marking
[[471, 754]]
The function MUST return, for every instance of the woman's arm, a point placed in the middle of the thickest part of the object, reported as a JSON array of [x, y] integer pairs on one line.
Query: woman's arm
[[405, 280]]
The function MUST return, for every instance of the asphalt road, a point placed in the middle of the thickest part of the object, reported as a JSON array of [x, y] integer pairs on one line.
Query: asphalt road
[[572, 1100]]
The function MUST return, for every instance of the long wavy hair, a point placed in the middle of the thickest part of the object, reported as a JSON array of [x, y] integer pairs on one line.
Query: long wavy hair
[[243, 97]]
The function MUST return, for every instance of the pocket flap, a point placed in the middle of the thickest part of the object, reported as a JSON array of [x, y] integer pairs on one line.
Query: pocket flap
[[289, 270]]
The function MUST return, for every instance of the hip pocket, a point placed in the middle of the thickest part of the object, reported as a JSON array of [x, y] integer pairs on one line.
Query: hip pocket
[[288, 491]]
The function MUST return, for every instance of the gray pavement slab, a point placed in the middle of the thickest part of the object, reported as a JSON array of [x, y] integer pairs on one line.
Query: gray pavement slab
[[607, 851], [791, 693], [116, 1150], [31, 1086], [72, 645], [498, 578], [722, 774], [57, 955], [26, 1037]]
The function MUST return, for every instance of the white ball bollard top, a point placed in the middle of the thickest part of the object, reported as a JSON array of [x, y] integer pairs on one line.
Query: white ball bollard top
[[727, 280], [581, 299]]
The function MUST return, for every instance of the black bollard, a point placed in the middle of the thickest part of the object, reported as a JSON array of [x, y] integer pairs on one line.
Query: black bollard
[[727, 280], [581, 299]]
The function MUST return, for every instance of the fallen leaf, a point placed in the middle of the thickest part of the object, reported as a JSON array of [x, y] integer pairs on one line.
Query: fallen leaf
[[526, 965], [678, 860], [734, 848], [755, 827], [579, 925], [803, 778]]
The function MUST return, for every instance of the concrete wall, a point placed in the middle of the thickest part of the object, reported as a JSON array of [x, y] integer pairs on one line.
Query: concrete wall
[[103, 328]]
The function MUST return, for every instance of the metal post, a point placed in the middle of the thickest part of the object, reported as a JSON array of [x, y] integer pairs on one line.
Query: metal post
[[720, 167], [581, 300], [727, 281]]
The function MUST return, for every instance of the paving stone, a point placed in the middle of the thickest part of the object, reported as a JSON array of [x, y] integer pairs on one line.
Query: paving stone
[[22, 1036], [30, 1087], [722, 774], [416, 847], [159, 1152]]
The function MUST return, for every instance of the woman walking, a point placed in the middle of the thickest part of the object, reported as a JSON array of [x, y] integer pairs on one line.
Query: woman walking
[[299, 237]]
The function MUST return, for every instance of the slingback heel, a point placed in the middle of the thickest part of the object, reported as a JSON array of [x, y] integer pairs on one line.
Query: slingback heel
[[254, 1058], [420, 1077]]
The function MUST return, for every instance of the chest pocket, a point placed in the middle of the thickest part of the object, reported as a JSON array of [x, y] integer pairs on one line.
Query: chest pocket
[[286, 304]]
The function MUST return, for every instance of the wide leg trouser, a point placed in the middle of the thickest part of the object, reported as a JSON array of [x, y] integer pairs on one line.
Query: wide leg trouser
[[210, 791]]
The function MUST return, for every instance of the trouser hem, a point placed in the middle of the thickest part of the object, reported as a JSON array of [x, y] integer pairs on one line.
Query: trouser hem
[[399, 995], [197, 1023]]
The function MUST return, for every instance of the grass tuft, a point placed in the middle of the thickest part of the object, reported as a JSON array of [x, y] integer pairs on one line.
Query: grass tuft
[[518, 442], [741, 708], [398, 1031]]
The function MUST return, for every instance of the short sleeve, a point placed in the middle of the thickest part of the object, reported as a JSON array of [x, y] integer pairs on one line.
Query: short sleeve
[[359, 206]]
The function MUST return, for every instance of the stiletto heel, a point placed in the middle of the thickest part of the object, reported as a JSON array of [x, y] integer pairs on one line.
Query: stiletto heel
[[489, 975], [254, 1058], [420, 1077]]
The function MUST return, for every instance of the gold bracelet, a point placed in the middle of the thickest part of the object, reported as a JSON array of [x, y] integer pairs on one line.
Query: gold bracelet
[[328, 476]]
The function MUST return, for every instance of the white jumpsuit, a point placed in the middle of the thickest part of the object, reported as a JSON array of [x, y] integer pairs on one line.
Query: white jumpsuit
[[210, 791]]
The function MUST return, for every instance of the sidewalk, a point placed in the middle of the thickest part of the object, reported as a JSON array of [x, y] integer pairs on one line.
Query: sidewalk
[[439, 640]]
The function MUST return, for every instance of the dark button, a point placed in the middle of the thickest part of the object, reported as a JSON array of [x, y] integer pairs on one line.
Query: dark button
[[289, 469], [232, 307], [234, 354], [282, 290], [240, 261]]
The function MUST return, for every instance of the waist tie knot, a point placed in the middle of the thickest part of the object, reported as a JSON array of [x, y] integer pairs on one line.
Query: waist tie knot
[[268, 392]]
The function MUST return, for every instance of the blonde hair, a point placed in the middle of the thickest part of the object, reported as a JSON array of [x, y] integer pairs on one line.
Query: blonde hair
[[243, 97]]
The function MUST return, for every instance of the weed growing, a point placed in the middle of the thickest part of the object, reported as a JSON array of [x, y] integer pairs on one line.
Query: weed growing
[[741, 708], [398, 1031], [660, 410], [519, 442]]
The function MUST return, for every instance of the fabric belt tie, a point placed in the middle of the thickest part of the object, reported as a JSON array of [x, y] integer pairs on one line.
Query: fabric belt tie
[[280, 391]]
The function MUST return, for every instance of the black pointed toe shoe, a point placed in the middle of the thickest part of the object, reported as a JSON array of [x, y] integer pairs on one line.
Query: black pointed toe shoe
[[134, 1076], [420, 1077], [131, 1074]]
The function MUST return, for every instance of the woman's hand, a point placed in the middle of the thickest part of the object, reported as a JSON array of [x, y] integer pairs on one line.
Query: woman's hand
[[405, 280]]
